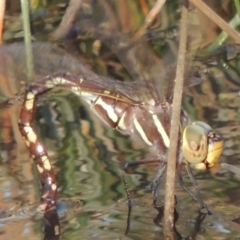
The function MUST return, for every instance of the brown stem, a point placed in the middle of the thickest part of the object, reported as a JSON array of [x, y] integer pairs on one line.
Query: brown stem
[[154, 11], [67, 20], [172, 154]]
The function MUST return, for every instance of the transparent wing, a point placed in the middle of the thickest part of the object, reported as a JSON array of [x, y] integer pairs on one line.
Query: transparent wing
[[49, 59]]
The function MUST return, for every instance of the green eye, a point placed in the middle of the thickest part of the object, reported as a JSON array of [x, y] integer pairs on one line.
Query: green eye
[[201, 145]]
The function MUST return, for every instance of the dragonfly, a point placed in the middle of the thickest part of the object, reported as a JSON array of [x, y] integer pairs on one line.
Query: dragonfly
[[132, 108]]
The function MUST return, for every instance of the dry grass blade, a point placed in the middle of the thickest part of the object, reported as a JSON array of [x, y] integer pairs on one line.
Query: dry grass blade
[[172, 154]]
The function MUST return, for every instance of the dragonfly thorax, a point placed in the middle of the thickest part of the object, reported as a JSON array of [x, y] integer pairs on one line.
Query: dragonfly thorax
[[148, 122]]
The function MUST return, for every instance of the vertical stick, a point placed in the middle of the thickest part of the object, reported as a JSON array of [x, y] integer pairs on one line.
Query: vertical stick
[[172, 154], [27, 39]]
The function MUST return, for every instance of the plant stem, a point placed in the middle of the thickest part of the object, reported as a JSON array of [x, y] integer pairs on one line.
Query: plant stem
[[174, 132], [27, 39]]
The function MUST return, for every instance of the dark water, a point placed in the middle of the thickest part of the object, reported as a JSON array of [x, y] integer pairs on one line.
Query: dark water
[[87, 156]]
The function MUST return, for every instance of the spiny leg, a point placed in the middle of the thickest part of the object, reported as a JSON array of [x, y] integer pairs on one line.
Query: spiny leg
[[180, 180], [198, 194], [157, 183], [129, 204], [140, 162]]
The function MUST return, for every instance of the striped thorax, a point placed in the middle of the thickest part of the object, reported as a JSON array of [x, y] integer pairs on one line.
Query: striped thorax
[[148, 122], [201, 146]]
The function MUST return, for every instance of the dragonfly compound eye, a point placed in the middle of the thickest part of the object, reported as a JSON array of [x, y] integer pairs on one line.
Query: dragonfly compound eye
[[215, 148], [201, 145]]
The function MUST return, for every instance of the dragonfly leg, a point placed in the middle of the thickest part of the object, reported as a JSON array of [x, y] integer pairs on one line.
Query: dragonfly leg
[[157, 183], [130, 204], [140, 162], [198, 196], [180, 180], [157, 180]]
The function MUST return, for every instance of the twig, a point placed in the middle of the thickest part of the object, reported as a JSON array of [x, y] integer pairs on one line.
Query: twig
[[172, 154], [27, 39], [154, 11], [67, 20], [230, 168], [215, 18], [149, 19]]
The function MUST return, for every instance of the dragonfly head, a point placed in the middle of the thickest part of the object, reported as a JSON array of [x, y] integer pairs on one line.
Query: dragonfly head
[[201, 146]]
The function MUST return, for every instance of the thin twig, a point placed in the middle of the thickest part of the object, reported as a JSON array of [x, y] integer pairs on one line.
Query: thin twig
[[153, 13], [230, 168], [27, 39], [216, 19], [172, 154], [67, 20], [149, 19]]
